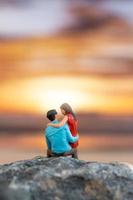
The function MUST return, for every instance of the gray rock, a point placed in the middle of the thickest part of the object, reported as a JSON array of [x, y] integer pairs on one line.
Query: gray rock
[[65, 178]]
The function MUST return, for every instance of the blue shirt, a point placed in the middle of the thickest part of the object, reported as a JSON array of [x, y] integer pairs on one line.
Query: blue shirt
[[58, 139]]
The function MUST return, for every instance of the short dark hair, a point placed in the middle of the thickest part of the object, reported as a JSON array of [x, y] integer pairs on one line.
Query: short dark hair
[[51, 114]]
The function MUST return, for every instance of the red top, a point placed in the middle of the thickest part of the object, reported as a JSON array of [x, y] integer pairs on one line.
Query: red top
[[73, 124]]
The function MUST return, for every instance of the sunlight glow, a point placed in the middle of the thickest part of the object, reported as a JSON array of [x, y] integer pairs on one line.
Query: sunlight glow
[[38, 95], [54, 98]]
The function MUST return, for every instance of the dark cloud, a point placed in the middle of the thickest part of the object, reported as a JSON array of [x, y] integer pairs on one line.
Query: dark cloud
[[93, 17]]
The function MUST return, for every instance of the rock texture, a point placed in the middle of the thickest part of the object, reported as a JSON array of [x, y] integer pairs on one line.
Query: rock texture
[[65, 179]]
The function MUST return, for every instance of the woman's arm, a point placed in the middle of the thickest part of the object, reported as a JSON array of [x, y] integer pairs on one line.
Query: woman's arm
[[71, 138], [62, 123]]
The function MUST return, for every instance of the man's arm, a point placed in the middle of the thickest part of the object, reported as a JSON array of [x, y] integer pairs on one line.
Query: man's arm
[[69, 136]]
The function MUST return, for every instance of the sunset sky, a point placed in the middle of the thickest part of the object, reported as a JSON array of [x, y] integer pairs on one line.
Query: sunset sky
[[44, 63]]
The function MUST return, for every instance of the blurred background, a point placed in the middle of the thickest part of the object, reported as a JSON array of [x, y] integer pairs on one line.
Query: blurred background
[[56, 51]]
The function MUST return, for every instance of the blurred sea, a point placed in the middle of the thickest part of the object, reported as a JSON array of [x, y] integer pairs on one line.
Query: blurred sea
[[103, 148]]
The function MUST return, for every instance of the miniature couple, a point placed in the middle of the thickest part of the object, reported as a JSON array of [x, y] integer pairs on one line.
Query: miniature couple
[[61, 133]]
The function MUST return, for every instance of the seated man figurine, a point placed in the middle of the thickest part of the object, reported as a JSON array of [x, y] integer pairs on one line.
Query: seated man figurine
[[58, 139]]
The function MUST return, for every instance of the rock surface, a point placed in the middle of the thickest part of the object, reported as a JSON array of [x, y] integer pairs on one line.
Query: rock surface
[[65, 178]]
